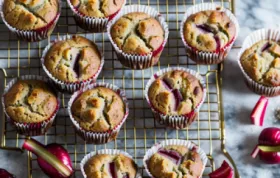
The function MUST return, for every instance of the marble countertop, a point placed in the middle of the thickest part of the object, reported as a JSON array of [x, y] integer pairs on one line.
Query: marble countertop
[[241, 136]]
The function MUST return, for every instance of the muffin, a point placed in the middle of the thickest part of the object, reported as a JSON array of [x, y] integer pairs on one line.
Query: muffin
[[72, 62], [259, 60], [210, 31], [94, 15], [175, 92], [138, 36], [175, 159], [110, 165], [30, 102], [31, 20], [98, 109]]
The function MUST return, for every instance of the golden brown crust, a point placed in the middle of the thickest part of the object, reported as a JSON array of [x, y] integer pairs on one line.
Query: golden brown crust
[[98, 110], [30, 101], [209, 30], [98, 166], [30, 14], [188, 164], [72, 60], [137, 33], [263, 66], [164, 99], [98, 8]]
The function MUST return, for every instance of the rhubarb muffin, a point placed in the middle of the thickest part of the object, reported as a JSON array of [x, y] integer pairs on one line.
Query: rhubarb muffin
[[30, 102], [107, 165], [261, 62], [136, 35], [93, 15], [72, 60], [35, 15], [175, 161]]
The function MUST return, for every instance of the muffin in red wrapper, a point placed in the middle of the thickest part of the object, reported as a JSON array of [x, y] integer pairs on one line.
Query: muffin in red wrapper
[[98, 112], [138, 34], [30, 20], [31, 104], [208, 32], [175, 96], [72, 62], [94, 16]]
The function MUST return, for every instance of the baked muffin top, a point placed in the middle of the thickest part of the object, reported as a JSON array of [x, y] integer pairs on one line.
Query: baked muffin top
[[30, 101], [110, 166], [175, 162], [175, 93], [73, 60], [30, 14], [98, 110], [98, 8], [209, 30], [137, 33], [262, 62]]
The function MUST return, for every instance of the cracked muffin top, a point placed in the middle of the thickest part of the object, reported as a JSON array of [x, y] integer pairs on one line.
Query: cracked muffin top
[[110, 166], [30, 14], [175, 93], [137, 33], [262, 62], [98, 110], [97, 8], [30, 101], [175, 162], [73, 60], [209, 30]]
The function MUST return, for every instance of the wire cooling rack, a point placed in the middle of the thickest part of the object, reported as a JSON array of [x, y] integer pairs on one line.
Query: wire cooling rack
[[140, 131]]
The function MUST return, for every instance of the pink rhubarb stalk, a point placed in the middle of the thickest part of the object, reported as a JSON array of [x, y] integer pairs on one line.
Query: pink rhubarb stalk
[[258, 113], [225, 171]]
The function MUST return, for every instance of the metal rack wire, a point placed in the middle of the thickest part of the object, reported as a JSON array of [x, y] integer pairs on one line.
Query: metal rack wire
[[140, 131]]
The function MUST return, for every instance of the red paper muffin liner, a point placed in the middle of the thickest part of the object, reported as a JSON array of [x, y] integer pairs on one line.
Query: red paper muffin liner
[[190, 145], [175, 121], [202, 57], [98, 137], [256, 36], [30, 129], [109, 152], [32, 35], [92, 24], [70, 86], [139, 61]]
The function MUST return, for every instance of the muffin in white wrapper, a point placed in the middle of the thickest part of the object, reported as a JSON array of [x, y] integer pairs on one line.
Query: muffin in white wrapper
[[98, 137], [134, 61], [92, 24], [176, 121], [109, 152], [31, 129], [256, 36], [70, 87], [36, 34], [203, 57], [190, 145]]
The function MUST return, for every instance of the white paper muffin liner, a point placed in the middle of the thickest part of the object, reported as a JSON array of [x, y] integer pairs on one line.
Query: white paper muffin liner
[[256, 36], [203, 57], [139, 61], [30, 129], [92, 24], [70, 86], [105, 151], [98, 137], [154, 149], [175, 121], [32, 35]]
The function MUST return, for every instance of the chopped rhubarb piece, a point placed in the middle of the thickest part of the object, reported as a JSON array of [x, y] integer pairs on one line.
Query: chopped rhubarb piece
[[172, 155], [112, 169], [178, 98], [218, 42], [5, 174], [266, 46], [225, 171], [76, 66], [258, 113], [255, 152], [166, 84], [205, 28]]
